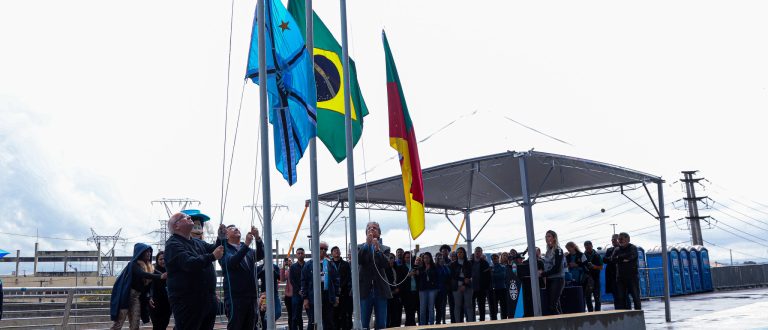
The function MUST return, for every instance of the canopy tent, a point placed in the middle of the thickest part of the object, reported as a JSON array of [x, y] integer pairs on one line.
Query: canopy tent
[[522, 178]]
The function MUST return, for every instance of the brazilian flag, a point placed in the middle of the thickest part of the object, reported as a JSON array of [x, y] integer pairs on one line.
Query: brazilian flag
[[330, 86]]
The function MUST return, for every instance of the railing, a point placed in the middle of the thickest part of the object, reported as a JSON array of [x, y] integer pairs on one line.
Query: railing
[[732, 277], [53, 306]]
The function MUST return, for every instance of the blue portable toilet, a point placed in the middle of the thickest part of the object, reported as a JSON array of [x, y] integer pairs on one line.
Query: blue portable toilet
[[655, 264], [686, 269], [693, 258], [704, 268], [642, 272]]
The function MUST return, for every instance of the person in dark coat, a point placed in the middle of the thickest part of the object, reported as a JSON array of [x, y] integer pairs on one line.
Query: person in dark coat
[[374, 290], [481, 281], [594, 266], [395, 275], [238, 266], [627, 282], [329, 289], [297, 301], [191, 277], [499, 292], [342, 314], [444, 288], [160, 308], [130, 293], [610, 269], [409, 290], [524, 273], [461, 286]]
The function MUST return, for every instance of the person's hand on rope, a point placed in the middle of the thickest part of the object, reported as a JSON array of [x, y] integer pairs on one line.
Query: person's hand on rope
[[222, 231], [336, 303], [151, 303], [219, 252], [164, 276], [306, 304], [248, 239], [255, 233]]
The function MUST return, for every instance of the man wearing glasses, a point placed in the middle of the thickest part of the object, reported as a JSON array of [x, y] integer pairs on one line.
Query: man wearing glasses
[[238, 266], [191, 276], [329, 281]]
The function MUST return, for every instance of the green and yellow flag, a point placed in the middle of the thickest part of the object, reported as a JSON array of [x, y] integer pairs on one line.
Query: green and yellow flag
[[330, 86]]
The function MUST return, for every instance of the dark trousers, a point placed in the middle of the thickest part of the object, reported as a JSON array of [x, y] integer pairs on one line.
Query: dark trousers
[[478, 298], [194, 313], [410, 301], [297, 307], [160, 315], [327, 311], [241, 313], [394, 312], [440, 301], [595, 292], [288, 302], [451, 305], [498, 298], [625, 287], [555, 287], [342, 314]]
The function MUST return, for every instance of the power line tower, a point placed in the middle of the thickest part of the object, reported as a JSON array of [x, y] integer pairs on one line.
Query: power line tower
[[171, 206], [107, 268], [692, 204]]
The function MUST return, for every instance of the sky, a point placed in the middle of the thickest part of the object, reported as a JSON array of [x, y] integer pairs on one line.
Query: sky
[[107, 106]]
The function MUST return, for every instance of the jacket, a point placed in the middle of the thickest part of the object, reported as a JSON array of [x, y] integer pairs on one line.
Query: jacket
[[372, 263], [625, 259], [237, 267], [610, 269], [190, 267], [121, 290], [307, 284], [481, 275], [427, 279], [345, 277], [294, 276], [456, 270]]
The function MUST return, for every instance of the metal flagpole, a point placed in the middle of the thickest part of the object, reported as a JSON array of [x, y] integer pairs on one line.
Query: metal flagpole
[[664, 253], [267, 199], [350, 170], [314, 222], [532, 259]]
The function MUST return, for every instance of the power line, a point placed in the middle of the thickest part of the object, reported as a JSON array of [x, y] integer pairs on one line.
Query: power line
[[739, 236], [46, 237], [739, 252], [739, 219], [727, 207]]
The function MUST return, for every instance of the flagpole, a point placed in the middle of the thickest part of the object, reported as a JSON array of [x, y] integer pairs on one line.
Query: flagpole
[[350, 170], [314, 222], [267, 199]]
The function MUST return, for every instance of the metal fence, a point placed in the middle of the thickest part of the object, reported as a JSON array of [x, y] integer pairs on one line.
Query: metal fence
[[732, 277]]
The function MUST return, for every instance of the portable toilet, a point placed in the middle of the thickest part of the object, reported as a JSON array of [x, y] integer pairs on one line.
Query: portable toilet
[[704, 268], [642, 272], [693, 258], [685, 268], [655, 270]]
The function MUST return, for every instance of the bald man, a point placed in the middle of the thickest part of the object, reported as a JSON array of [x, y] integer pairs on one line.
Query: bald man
[[191, 274]]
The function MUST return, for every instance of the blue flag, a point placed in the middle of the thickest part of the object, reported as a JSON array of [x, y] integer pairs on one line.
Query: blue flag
[[290, 85]]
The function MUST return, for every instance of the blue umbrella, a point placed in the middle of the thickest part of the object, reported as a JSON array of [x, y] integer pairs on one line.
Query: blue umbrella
[[3, 253]]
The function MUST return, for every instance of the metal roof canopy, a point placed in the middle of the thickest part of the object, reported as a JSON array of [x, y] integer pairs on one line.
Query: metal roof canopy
[[494, 180], [505, 178]]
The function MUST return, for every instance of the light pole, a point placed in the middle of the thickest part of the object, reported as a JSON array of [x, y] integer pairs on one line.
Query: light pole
[[76, 274]]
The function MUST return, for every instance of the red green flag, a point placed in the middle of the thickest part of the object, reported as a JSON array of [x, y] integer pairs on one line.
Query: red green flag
[[402, 138]]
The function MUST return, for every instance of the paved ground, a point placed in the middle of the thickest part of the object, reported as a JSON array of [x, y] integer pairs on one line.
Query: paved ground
[[742, 309]]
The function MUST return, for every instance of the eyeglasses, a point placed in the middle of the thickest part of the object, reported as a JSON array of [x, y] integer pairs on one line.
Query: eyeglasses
[[324, 248]]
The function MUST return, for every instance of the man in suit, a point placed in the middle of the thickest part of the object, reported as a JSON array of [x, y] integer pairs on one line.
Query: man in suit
[[374, 290], [329, 282]]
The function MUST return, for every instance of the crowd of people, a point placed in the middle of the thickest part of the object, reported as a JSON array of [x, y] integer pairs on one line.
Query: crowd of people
[[400, 288]]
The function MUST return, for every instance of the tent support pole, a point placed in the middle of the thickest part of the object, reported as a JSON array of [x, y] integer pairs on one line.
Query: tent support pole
[[469, 233], [664, 253], [531, 237]]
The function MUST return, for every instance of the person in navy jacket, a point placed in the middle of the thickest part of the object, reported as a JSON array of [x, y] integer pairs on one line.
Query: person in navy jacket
[[238, 267], [329, 281]]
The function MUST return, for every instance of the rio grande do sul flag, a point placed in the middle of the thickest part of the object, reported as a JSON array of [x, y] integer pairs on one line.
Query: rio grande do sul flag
[[403, 139]]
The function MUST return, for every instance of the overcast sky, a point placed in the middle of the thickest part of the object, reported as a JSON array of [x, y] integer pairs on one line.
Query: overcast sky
[[106, 106]]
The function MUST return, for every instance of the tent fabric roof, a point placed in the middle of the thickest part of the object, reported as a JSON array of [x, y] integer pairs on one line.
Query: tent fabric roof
[[494, 180]]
